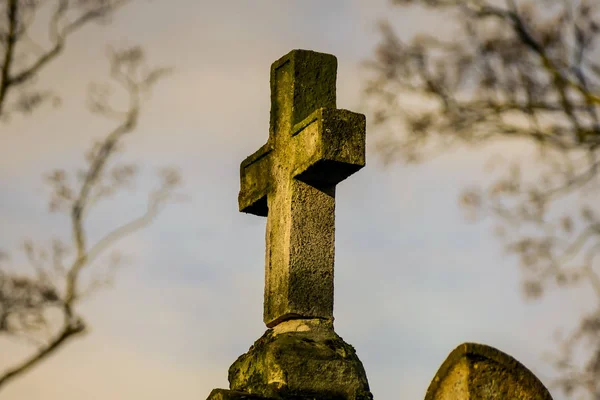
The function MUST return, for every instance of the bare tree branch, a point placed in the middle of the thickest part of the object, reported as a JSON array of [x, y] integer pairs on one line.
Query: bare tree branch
[[11, 39], [30, 308], [55, 343], [522, 71], [18, 14]]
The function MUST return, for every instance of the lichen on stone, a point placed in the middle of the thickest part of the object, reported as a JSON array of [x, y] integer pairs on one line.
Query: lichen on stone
[[313, 362], [475, 372]]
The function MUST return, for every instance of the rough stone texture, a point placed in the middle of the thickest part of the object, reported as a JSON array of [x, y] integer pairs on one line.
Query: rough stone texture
[[476, 371], [301, 359], [291, 179], [224, 394]]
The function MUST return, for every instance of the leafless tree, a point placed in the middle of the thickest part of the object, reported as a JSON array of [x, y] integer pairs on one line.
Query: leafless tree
[[22, 57], [42, 307], [520, 71]]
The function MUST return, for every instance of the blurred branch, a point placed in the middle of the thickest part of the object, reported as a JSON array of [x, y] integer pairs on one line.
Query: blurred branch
[[68, 331], [17, 14], [11, 39], [520, 71], [93, 186]]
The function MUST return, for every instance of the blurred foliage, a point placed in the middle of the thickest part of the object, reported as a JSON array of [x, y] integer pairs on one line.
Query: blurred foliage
[[41, 308], [521, 71]]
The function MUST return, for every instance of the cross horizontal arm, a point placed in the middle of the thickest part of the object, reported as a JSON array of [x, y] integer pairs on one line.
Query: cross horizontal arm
[[330, 146], [254, 181]]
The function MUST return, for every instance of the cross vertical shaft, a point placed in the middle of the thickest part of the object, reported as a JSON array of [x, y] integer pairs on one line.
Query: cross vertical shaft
[[291, 179]]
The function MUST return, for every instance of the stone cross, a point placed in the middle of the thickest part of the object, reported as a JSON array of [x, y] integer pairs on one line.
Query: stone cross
[[291, 180]]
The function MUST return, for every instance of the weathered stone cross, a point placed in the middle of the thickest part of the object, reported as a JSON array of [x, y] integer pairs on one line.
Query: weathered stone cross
[[291, 180]]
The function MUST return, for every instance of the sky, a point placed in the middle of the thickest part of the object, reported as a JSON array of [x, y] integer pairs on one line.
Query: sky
[[413, 279]]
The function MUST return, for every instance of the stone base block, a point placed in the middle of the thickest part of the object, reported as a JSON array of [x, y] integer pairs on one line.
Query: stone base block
[[300, 359], [224, 394]]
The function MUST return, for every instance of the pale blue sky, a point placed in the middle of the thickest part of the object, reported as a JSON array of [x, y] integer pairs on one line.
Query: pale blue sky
[[413, 279]]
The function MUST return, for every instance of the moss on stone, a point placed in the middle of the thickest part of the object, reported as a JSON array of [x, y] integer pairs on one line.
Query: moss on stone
[[312, 146], [314, 363], [224, 394], [475, 371], [312, 85]]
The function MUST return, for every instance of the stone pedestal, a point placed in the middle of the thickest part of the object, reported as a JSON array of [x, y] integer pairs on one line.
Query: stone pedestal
[[298, 359]]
